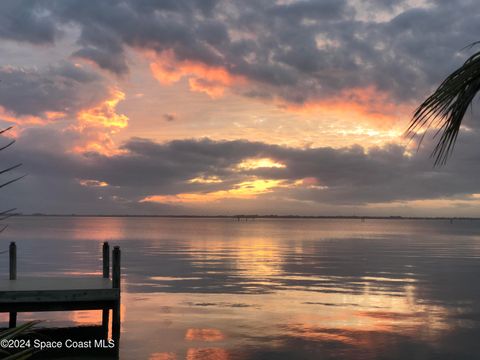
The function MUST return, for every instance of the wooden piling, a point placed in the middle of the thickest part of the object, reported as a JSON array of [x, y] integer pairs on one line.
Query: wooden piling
[[106, 260], [106, 275], [116, 267], [105, 321], [116, 282], [13, 276], [13, 261]]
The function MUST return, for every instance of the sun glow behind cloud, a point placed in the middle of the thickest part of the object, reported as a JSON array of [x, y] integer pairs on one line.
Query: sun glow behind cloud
[[365, 116], [250, 164], [246, 190], [92, 183], [205, 180], [367, 106], [243, 190]]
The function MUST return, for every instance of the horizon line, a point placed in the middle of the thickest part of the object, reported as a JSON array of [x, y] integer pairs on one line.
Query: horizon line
[[262, 216]]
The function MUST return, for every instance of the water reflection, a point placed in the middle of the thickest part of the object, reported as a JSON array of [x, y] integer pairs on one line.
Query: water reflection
[[218, 289], [207, 354], [82, 229], [163, 356], [204, 335]]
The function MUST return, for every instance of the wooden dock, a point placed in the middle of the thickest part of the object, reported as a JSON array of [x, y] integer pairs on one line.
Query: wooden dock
[[24, 294]]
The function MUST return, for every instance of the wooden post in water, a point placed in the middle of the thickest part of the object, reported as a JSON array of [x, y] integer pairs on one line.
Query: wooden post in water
[[106, 275], [116, 267], [13, 261], [13, 276], [106, 260], [116, 280]]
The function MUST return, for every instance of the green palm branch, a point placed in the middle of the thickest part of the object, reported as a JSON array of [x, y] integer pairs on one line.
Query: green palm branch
[[446, 107], [13, 333], [6, 214]]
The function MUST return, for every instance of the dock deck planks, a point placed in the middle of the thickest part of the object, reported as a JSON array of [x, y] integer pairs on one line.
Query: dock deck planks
[[55, 284]]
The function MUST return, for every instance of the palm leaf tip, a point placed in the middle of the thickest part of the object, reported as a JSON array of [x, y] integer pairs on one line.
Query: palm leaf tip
[[446, 108]]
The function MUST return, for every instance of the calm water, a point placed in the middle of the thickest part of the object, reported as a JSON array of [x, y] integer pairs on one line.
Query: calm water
[[272, 289]]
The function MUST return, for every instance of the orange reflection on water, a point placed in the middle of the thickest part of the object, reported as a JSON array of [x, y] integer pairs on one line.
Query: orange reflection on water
[[207, 354], [370, 319], [306, 331], [163, 356], [260, 260], [347, 318], [91, 317], [204, 335], [256, 258], [97, 228], [85, 317], [82, 273]]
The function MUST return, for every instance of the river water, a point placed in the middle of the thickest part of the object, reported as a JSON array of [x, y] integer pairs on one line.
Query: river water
[[220, 289]]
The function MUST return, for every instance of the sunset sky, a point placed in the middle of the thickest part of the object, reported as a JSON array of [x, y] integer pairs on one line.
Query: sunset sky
[[227, 107]]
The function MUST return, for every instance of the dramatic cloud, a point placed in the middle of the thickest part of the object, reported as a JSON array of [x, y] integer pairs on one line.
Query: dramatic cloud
[[27, 21], [76, 98], [61, 89], [181, 175], [300, 51], [350, 69]]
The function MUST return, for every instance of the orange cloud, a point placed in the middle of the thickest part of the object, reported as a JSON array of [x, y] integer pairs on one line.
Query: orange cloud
[[105, 114], [211, 80], [47, 117], [366, 105], [89, 129], [102, 144], [309, 182], [96, 125]]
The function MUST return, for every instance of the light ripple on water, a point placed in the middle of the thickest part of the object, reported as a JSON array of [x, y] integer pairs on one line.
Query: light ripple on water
[[273, 289]]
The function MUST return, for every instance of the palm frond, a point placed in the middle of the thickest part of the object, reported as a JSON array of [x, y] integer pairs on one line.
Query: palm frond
[[12, 181], [10, 168], [8, 145], [8, 213], [446, 107], [19, 330], [6, 129], [15, 332]]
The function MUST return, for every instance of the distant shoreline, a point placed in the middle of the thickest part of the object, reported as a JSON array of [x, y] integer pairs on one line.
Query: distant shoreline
[[253, 217]]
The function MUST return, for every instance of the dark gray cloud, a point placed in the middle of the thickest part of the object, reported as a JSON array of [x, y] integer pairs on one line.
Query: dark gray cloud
[[169, 117], [299, 51], [59, 88], [348, 176], [103, 58], [28, 21], [312, 10]]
